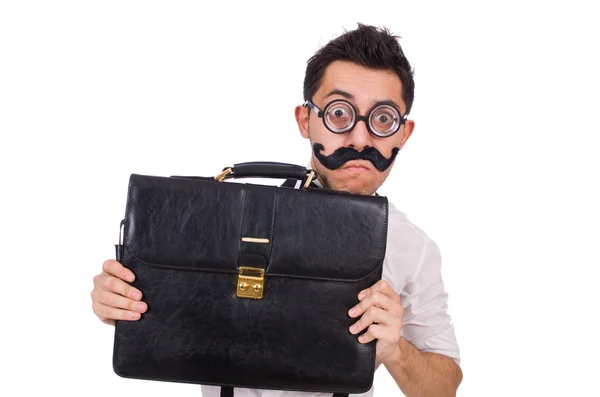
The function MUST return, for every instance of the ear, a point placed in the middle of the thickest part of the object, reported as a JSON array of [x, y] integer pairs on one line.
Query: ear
[[409, 126], [301, 113]]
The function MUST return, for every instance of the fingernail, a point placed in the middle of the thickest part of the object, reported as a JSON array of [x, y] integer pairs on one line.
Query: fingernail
[[136, 295], [140, 307], [362, 295], [353, 329], [130, 277], [352, 311], [135, 316]]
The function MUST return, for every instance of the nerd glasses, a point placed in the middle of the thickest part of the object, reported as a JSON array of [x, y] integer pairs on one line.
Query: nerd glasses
[[340, 116]]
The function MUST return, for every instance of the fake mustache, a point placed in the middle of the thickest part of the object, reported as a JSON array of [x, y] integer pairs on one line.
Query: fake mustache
[[344, 154]]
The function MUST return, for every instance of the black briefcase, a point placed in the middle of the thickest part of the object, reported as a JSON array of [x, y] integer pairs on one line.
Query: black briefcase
[[249, 285]]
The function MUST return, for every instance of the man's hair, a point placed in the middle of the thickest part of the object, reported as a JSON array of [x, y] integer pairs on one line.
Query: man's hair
[[367, 46]]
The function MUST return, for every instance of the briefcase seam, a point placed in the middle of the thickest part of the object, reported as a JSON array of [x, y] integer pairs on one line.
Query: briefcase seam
[[351, 391], [379, 267], [127, 209], [242, 222], [275, 200], [385, 228]]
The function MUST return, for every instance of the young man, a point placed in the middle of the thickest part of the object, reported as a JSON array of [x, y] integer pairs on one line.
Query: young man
[[358, 91]]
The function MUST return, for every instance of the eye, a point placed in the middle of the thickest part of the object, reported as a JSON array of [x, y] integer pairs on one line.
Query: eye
[[339, 113], [384, 120], [339, 116]]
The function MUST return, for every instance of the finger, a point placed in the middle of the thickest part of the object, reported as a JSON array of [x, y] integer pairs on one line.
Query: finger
[[118, 301], [116, 269], [374, 315], [381, 286], [376, 299], [374, 332], [107, 313], [113, 284]]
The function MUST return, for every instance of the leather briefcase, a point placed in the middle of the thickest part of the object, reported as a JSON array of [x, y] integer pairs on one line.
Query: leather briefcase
[[249, 285]]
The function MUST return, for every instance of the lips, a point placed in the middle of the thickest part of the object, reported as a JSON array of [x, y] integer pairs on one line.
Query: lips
[[357, 165]]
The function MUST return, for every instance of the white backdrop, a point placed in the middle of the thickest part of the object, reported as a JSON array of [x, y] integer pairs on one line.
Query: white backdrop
[[501, 171]]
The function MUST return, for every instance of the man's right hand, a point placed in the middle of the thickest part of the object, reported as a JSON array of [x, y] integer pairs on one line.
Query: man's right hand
[[113, 298]]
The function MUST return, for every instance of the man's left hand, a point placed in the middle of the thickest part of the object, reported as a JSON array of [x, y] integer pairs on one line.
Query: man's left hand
[[381, 313]]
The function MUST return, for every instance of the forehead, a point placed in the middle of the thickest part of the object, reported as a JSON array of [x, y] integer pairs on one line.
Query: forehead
[[368, 86]]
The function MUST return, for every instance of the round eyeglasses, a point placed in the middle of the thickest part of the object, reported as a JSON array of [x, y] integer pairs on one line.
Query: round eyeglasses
[[340, 116]]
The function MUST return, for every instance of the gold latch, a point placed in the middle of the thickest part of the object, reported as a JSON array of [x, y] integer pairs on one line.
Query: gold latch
[[251, 282]]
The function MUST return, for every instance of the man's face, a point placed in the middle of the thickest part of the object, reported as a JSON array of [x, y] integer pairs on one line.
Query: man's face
[[363, 88]]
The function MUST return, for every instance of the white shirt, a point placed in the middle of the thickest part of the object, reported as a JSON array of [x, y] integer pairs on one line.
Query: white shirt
[[412, 266]]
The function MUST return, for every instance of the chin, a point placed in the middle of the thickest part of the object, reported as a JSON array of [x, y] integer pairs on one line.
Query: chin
[[363, 182], [355, 187]]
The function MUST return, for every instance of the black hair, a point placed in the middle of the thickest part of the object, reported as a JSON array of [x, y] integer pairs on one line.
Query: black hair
[[366, 46]]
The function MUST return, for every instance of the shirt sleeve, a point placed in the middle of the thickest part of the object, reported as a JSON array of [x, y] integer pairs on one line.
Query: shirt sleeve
[[426, 322]]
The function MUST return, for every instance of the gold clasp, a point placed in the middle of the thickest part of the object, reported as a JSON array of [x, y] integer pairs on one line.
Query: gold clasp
[[222, 175], [309, 179], [250, 282]]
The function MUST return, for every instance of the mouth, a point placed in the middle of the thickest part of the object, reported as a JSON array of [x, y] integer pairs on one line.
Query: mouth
[[357, 166]]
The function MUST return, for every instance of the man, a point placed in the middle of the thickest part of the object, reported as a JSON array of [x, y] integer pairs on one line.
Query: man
[[358, 91]]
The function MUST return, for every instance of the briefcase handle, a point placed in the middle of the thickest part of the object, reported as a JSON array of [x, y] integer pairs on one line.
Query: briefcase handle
[[268, 169]]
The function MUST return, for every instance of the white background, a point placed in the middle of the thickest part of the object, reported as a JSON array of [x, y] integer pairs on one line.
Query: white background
[[502, 170]]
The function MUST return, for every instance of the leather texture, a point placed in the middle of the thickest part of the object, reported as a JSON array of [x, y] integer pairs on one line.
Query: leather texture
[[183, 240], [228, 392]]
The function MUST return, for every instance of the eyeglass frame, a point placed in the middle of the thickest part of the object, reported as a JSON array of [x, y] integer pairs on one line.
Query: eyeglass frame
[[321, 113]]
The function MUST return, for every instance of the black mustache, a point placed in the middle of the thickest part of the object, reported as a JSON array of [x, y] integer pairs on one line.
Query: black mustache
[[344, 154]]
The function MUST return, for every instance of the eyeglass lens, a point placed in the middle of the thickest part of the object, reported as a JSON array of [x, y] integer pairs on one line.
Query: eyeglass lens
[[340, 116], [384, 120]]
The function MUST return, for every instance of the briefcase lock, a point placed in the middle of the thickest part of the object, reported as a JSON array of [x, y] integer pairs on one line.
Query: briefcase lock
[[250, 283]]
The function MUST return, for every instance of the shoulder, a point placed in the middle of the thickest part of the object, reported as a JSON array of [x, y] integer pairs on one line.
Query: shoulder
[[403, 234], [408, 249]]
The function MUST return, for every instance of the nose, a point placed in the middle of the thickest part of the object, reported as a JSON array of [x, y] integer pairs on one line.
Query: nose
[[360, 137]]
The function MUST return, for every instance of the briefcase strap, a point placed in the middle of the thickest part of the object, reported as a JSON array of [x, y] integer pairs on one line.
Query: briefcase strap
[[228, 392], [292, 183]]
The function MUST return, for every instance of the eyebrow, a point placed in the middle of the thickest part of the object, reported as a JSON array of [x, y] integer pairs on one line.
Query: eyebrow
[[349, 96], [345, 94], [389, 103]]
